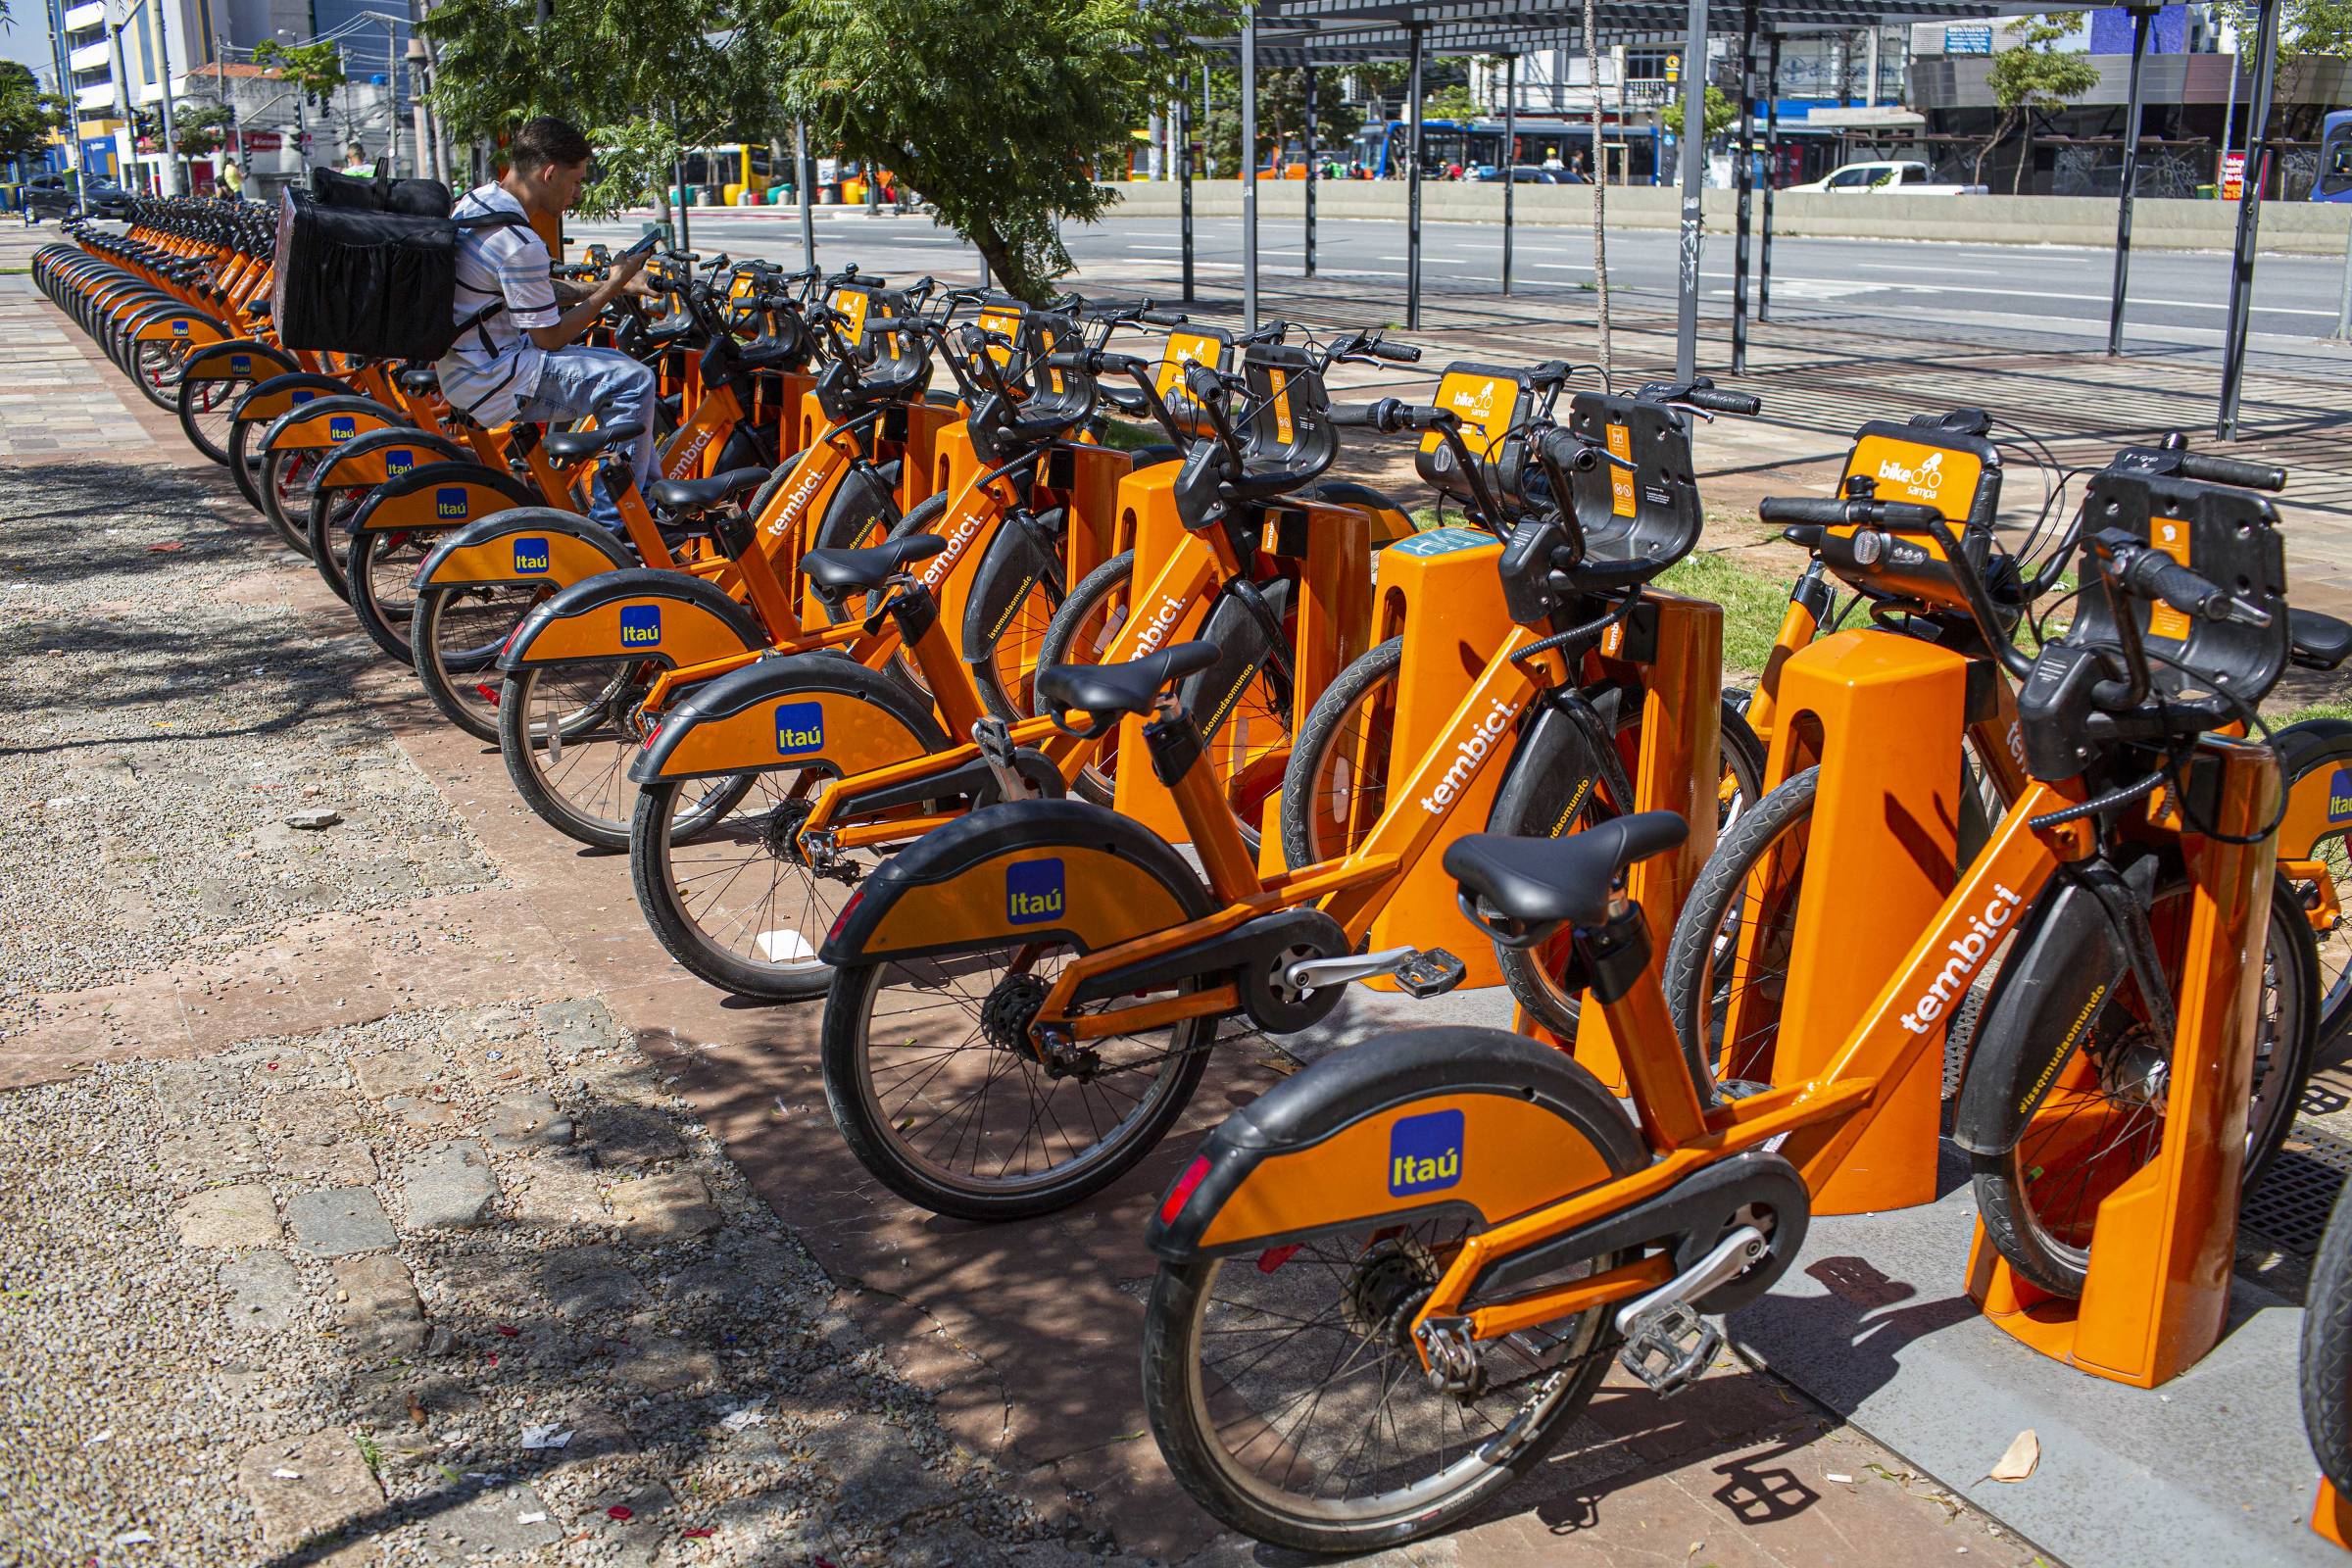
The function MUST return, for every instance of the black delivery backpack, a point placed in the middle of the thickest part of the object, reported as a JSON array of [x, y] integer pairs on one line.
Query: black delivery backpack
[[368, 266]]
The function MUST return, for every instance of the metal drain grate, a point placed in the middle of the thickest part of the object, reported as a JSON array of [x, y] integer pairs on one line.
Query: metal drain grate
[[2291, 1207]]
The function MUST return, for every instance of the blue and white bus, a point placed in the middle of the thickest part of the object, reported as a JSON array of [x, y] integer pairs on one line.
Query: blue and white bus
[[1377, 152], [2334, 181]]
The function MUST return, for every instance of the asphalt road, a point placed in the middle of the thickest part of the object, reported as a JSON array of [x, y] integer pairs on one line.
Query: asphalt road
[[2062, 290]]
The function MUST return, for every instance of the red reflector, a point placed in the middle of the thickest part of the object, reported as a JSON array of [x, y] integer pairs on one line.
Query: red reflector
[[1181, 1194], [1273, 1257], [847, 909]]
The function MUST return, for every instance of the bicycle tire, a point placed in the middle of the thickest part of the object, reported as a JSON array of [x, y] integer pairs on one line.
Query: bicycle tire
[[386, 625], [282, 483], [447, 681], [1092, 784], [2325, 1373], [1301, 776]]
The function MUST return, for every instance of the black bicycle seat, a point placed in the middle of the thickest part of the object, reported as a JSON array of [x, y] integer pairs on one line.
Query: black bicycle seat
[[839, 572], [2321, 642], [566, 446], [1540, 882], [680, 497], [419, 379], [1129, 687]]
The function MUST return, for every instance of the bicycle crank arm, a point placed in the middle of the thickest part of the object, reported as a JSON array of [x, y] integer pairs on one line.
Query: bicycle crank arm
[[1309, 975]]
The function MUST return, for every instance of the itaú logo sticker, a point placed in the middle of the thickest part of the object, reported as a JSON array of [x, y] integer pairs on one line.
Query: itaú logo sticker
[[240, 365], [1968, 956], [302, 395], [342, 427], [1033, 891], [450, 500], [799, 727], [640, 626], [2339, 796], [1473, 750], [399, 460], [179, 328], [530, 555], [1923, 480], [1425, 1153]]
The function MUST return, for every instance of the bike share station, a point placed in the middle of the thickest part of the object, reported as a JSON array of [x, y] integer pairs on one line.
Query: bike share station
[[2165, 1400]]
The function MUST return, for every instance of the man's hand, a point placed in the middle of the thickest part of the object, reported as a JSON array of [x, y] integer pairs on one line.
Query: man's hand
[[622, 274]]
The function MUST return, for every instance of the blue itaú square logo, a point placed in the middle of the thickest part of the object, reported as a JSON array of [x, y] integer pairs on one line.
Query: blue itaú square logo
[[640, 626], [303, 393], [240, 365], [1033, 891], [342, 427], [799, 727], [2340, 794], [399, 460], [530, 555], [450, 500], [1425, 1153]]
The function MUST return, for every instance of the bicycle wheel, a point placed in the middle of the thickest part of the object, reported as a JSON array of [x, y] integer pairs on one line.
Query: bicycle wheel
[[1081, 632], [569, 733], [1290, 1401], [285, 492], [1336, 785], [2321, 750], [2333, 951], [938, 1091], [2104, 1118], [328, 519], [204, 413], [382, 574], [1539, 800], [454, 635], [155, 368], [2325, 1373], [738, 905]]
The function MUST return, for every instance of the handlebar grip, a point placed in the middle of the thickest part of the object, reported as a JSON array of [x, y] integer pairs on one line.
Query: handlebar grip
[[1897, 514], [1358, 415], [1427, 416], [1819, 511], [1075, 361], [1164, 317], [1396, 353], [2230, 470], [2152, 575], [1717, 402]]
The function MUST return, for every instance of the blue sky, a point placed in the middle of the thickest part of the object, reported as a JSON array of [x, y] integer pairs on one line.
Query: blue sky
[[25, 36]]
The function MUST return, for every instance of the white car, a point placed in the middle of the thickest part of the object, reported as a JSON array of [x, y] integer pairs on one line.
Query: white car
[[1891, 177]]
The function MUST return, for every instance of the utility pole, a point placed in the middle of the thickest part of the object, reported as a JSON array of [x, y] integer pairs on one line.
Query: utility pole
[[65, 90], [163, 70]]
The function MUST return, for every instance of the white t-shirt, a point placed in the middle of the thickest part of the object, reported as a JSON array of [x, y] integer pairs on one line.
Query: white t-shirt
[[508, 262]]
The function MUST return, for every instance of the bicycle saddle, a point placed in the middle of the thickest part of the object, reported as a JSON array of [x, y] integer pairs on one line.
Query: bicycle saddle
[[680, 497], [1130, 688], [565, 446], [418, 380], [2321, 642], [839, 572], [1540, 882]]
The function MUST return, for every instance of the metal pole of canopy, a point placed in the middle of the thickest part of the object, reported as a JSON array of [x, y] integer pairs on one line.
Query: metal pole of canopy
[[1313, 169], [1772, 171], [1510, 159], [1412, 184], [1184, 187], [2123, 206], [1742, 172], [1249, 169], [2249, 220], [804, 175], [1695, 163]]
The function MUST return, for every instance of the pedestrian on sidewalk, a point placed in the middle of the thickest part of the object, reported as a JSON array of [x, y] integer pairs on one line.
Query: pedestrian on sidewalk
[[525, 362], [233, 180]]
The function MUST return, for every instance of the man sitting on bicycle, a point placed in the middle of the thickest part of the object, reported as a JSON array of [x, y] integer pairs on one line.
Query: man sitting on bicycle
[[523, 361]]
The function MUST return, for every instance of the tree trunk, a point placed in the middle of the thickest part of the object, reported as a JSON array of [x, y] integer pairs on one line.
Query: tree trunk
[[1600, 186], [1010, 272]]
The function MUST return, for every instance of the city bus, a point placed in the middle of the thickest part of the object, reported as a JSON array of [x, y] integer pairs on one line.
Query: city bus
[[2334, 181], [1378, 151], [735, 167]]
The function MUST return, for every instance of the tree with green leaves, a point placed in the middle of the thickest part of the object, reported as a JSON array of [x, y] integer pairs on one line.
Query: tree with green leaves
[[1720, 112], [641, 78], [1453, 101], [1001, 114], [1281, 116], [200, 129], [29, 116], [315, 70], [2032, 74]]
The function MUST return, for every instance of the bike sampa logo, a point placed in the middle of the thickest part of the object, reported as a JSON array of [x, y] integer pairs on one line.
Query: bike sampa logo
[[640, 626], [399, 460], [448, 501], [342, 427], [1922, 480], [800, 728], [530, 555], [2339, 796], [1425, 1153], [1033, 891]]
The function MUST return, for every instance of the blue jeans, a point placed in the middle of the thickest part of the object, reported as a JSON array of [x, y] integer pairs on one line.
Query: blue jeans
[[616, 388]]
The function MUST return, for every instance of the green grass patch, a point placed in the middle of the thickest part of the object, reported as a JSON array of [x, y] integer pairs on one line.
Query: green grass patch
[[2315, 711], [1125, 435], [1753, 602]]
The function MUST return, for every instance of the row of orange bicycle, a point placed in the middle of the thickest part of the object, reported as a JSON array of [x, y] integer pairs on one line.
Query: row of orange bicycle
[[1023, 684]]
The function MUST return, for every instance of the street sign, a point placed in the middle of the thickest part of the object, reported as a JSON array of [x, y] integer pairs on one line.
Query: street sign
[[263, 141], [2233, 176], [1973, 39], [1673, 68]]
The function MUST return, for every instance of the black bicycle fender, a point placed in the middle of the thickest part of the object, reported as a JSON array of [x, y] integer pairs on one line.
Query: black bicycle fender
[[453, 492], [802, 710], [403, 450], [1244, 645], [861, 503], [326, 407], [221, 361], [1008, 568], [1448, 1117], [1025, 870], [665, 617], [2067, 961]]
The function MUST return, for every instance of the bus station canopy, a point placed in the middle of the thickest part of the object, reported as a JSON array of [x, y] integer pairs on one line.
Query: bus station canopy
[[1311, 33]]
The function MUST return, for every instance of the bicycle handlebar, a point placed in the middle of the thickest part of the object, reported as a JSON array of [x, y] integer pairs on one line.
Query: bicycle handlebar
[[2150, 574], [2230, 470], [1834, 511], [1714, 402]]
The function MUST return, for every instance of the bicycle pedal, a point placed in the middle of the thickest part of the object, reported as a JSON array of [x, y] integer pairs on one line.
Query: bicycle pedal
[[1669, 1347], [1432, 973]]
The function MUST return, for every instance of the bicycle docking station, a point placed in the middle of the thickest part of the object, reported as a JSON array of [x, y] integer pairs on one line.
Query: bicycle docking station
[[2165, 1236]]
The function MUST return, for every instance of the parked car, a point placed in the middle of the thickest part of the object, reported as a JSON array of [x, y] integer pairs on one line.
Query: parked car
[[52, 196], [1885, 176], [1529, 175], [2334, 181]]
